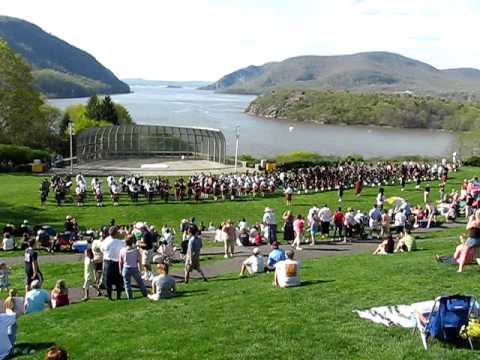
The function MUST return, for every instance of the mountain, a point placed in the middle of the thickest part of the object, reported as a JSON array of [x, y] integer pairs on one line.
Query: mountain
[[144, 82], [59, 69], [366, 72]]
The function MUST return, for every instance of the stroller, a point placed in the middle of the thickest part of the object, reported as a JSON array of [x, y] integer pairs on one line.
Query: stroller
[[445, 321]]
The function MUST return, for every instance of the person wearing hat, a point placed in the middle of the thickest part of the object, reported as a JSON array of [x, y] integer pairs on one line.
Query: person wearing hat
[[25, 228], [36, 298], [253, 264], [277, 254], [349, 224], [144, 239], [270, 224]]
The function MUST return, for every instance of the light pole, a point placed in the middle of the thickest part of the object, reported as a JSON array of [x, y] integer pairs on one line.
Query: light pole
[[237, 136], [71, 146]]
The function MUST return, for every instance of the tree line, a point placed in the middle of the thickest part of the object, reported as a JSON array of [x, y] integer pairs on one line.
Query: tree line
[[351, 108], [27, 120]]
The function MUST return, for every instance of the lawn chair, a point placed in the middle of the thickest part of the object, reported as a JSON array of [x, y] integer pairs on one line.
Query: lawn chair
[[447, 317]]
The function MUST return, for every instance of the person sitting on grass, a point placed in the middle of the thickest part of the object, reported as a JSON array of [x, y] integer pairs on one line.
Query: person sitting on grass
[[385, 247], [56, 353], [253, 264], [460, 256], [163, 285], [406, 243], [8, 242], [277, 254], [244, 237], [36, 298], [287, 272], [59, 295]]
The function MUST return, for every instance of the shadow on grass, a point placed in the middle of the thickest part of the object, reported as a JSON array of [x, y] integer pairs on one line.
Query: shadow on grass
[[24, 348], [15, 214], [320, 249], [315, 282], [188, 293]]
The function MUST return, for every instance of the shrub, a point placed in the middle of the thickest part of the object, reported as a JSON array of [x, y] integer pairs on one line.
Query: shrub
[[21, 154], [472, 161]]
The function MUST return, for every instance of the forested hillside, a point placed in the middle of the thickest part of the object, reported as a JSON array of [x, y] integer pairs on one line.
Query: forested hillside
[[341, 107], [59, 69]]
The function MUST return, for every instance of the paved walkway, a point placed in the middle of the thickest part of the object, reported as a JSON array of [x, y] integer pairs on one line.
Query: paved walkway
[[217, 268]]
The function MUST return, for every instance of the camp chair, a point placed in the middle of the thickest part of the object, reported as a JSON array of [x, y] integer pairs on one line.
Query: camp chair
[[445, 320]]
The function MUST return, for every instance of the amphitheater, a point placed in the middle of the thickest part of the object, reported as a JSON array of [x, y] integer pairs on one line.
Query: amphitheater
[[152, 150]]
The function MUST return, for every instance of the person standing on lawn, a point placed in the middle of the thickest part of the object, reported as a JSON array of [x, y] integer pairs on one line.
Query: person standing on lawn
[[298, 226], [32, 270], [325, 217], [111, 247], [271, 225], [129, 267], [229, 233], [192, 257]]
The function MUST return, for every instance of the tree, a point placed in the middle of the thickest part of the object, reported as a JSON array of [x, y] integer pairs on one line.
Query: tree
[[124, 117], [108, 112], [62, 129], [21, 119], [93, 110]]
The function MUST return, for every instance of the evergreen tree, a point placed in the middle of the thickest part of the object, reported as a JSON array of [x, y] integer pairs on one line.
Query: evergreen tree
[[64, 124], [93, 108], [108, 112]]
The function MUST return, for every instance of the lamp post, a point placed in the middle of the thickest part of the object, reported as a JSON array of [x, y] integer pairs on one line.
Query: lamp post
[[237, 136], [70, 131]]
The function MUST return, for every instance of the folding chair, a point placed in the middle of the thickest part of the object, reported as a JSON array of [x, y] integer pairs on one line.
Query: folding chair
[[445, 320]]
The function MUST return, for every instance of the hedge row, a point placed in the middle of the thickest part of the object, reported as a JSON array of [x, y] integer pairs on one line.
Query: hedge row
[[472, 161], [21, 154]]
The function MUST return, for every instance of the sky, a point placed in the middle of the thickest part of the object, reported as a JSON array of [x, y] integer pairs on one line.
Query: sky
[[206, 39]]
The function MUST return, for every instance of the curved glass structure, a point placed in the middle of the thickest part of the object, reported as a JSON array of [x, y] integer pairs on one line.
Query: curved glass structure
[[128, 141]]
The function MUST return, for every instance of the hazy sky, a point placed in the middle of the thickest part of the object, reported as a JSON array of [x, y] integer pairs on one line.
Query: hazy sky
[[205, 39]]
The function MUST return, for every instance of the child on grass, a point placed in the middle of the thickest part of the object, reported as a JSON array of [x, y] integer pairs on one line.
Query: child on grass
[[88, 274], [4, 271]]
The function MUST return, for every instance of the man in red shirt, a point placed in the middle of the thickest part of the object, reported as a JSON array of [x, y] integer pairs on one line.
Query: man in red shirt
[[338, 221]]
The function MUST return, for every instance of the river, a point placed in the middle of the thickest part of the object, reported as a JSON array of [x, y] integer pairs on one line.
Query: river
[[156, 105]]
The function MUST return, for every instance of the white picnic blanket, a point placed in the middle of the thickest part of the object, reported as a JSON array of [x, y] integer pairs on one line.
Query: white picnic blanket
[[398, 315]]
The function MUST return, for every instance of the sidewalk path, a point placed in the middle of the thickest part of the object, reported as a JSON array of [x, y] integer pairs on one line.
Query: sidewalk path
[[219, 267]]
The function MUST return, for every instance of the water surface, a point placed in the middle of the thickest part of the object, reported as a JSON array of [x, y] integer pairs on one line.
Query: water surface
[[156, 105]]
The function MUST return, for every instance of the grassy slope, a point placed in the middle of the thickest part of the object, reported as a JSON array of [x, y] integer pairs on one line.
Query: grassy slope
[[247, 318], [232, 318], [19, 199]]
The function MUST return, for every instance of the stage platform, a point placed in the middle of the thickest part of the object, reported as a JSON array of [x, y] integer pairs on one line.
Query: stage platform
[[151, 167]]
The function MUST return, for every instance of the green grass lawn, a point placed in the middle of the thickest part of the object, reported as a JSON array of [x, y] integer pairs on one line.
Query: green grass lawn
[[19, 199], [232, 318], [237, 318]]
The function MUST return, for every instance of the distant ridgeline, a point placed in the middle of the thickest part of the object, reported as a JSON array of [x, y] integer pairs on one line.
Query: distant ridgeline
[[58, 68], [343, 107], [362, 72]]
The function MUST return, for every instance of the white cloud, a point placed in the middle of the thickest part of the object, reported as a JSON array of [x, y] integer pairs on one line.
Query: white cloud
[[205, 39]]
